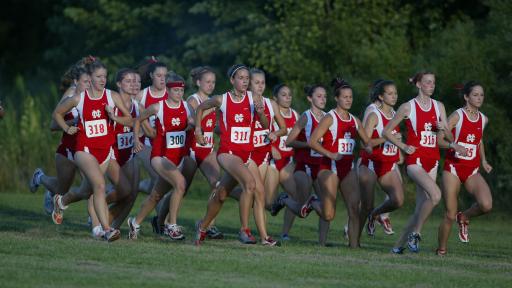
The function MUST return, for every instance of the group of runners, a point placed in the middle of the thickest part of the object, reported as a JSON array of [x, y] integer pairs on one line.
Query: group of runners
[[263, 144]]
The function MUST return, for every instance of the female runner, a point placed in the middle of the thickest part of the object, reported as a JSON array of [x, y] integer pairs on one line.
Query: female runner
[[383, 159], [94, 143], [237, 113], [424, 117], [282, 165], [74, 81], [467, 126], [173, 118], [339, 130]]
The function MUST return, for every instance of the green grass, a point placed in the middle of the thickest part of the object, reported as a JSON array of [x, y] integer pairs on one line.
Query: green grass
[[35, 252]]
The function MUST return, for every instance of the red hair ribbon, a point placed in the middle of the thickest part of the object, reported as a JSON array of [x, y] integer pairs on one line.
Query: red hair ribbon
[[175, 84]]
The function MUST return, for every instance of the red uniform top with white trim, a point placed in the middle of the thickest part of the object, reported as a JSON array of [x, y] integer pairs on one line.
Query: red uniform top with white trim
[[468, 134], [170, 139], [95, 127], [307, 155], [421, 130], [260, 134], [371, 108], [147, 100], [341, 136], [123, 135], [387, 151], [69, 141], [207, 126], [280, 144], [236, 123]]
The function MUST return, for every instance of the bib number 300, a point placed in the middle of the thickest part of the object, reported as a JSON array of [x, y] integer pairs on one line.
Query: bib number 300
[[175, 139]]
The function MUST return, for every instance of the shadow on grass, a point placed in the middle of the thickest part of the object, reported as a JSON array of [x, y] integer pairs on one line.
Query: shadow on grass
[[23, 220]]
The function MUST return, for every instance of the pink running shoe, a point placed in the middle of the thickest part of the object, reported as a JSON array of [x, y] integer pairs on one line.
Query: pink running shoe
[[386, 225], [463, 227]]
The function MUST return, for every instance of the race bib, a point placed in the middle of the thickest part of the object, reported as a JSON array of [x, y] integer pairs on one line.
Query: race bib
[[428, 139], [152, 120], [346, 146], [96, 128], [240, 135], [260, 138], [124, 140], [313, 153], [175, 139], [389, 149], [208, 137], [470, 151], [282, 144]]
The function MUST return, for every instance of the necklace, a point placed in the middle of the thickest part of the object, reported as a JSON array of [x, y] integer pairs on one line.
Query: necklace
[[318, 115], [423, 102], [237, 97], [471, 112]]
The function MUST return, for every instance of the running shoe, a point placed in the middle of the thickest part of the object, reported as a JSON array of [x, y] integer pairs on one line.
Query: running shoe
[[385, 222], [413, 242], [48, 202], [440, 252], [463, 227], [58, 209], [174, 232], [285, 237], [269, 242], [345, 232], [397, 250], [370, 226], [278, 204], [133, 229], [112, 235], [308, 207], [200, 234], [213, 233], [98, 233], [35, 181], [246, 237]]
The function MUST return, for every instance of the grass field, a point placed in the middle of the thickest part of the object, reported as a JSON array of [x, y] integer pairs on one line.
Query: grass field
[[35, 252]]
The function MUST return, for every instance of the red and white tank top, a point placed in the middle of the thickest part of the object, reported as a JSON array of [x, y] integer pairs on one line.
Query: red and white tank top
[[171, 123], [207, 126], [147, 100], [468, 134], [307, 155], [237, 123], [369, 110], [280, 145], [96, 128], [69, 141], [124, 134], [260, 139], [341, 136], [387, 151], [422, 128]]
